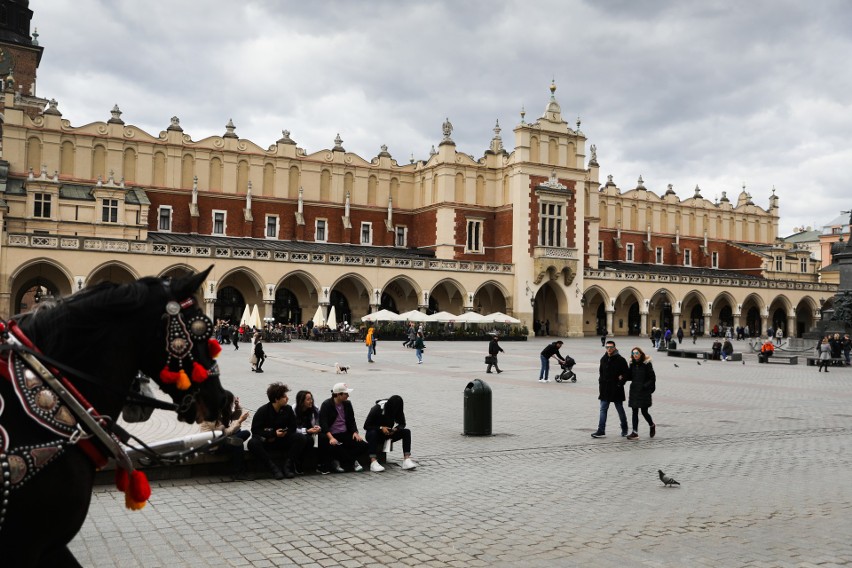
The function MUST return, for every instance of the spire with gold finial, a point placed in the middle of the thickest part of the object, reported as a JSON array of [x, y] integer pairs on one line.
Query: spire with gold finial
[[553, 112]]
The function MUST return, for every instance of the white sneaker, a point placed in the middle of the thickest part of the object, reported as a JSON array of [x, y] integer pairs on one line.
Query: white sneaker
[[376, 467], [408, 464], [359, 467], [335, 466], [541, 380]]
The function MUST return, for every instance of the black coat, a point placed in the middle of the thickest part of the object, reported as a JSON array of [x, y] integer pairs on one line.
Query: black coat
[[643, 382], [613, 372], [494, 347], [328, 414], [377, 417], [266, 421]]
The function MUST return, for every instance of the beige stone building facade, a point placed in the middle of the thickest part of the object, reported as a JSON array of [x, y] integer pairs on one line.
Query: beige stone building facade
[[526, 228]]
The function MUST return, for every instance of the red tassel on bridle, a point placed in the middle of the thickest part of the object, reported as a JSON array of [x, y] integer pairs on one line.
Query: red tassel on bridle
[[136, 488]]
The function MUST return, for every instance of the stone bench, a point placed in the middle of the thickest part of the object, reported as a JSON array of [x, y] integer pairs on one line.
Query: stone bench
[[834, 361], [686, 354], [779, 358]]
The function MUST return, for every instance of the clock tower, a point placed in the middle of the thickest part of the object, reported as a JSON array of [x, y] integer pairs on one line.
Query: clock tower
[[20, 55]]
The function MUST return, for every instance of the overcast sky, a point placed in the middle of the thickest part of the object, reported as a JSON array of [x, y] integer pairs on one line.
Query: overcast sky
[[714, 94]]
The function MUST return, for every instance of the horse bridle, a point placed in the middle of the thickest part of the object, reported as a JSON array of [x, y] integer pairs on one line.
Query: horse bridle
[[88, 423]]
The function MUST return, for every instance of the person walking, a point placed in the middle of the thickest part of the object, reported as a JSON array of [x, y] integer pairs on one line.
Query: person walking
[[368, 341], [259, 355], [643, 383], [412, 335], [824, 355], [613, 372], [694, 333], [604, 333], [846, 344], [235, 336], [679, 335], [419, 346], [779, 335], [493, 349], [551, 350]]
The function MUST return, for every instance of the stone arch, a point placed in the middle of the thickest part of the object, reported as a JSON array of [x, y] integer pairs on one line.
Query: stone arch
[[660, 309], [693, 307], [595, 301], [405, 293], [490, 297], [49, 275], [112, 271], [187, 171], [806, 317], [552, 304], [724, 308], [350, 294], [34, 154], [304, 290], [177, 270], [751, 314], [449, 295], [66, 158], [779, 312], [626, 317], [244, 282], [128, 166]]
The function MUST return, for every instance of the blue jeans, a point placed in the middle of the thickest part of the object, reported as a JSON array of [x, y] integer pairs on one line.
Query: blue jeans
[[369, 353], [545, 367], [619, 406], [419, 353]]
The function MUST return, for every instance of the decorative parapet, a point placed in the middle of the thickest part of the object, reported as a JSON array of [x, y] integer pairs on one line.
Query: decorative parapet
[[603, 274], [259, 254], [556, 252]]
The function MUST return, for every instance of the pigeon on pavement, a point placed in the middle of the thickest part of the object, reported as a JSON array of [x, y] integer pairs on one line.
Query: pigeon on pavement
[[668, 481], [676, 365], [699, 362]]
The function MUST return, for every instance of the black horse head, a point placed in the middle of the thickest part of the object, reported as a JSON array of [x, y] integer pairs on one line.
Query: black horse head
[[153, 325]]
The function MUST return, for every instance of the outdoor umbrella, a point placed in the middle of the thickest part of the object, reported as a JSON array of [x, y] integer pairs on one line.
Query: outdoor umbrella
[[332, 318]]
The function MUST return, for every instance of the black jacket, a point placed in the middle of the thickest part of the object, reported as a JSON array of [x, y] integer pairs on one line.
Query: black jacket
[[643, 383], [612, 374], [494, 347], [377, 418], [328, 414], [258, 350], [552, 350], [308, 419], [266, 421]]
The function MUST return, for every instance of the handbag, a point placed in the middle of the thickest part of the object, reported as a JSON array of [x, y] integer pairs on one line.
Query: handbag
[[253, 359], [490, 360]]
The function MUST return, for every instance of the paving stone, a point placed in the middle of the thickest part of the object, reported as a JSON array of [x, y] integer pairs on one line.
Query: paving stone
[[761, 454]]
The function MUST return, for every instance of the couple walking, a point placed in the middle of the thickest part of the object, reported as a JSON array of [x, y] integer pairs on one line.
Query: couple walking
[[614, 372]]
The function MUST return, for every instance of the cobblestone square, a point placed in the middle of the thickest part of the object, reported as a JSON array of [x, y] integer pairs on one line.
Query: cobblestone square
[[762, 453]]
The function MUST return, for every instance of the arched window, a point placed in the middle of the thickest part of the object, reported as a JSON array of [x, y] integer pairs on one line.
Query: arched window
[[159, 169], [242, 176], [372, 184], [480, 190], [34, 155], [129, 165], [99, 162], [325, 186], [216, 175], [459, 189], [66, 158], [534, 149], [187, 171], [268, 180], [293, 183]]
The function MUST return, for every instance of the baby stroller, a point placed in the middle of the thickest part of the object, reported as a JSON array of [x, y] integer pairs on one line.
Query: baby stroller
[[567, 374]]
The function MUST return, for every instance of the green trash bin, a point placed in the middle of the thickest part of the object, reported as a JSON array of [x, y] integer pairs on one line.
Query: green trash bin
[[477, 409]]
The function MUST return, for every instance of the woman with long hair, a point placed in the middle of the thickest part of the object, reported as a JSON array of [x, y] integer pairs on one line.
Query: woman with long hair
[[643, 382]]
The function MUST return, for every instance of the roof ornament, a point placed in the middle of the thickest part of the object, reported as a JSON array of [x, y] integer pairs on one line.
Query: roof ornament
[[553, 182], [432, 151], [670, 190], [285, 138], [447, 129], [697, 192], [523, 114], [35, 37], [338, 143], [115, 115], [175, 124], [229, 130], [640, 184]]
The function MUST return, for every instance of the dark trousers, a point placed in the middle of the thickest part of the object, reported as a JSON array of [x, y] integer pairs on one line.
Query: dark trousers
[[375, 437], [236, 452], [645, 415], [345, 452], [488, 370], [259, 363], [290, 445]]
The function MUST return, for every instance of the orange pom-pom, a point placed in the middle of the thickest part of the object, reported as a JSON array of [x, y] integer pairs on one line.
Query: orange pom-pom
[[121, 480], [199, 373], [183, 381], [213, 347], [133, 505]]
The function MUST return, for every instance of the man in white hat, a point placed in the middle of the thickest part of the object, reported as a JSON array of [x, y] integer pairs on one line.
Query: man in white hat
[[340, 444]]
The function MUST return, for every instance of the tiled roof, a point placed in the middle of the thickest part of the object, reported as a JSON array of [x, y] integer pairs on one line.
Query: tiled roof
[[673, 270]]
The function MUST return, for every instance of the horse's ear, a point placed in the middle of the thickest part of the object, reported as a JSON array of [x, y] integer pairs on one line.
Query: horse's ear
[[189, 285]]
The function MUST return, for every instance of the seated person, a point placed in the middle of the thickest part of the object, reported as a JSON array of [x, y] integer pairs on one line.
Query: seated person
[[766, 350], [727, 349], [716, 350], [235, 434], [340, 444], [274, 428], [307, 423], [386, 421]]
